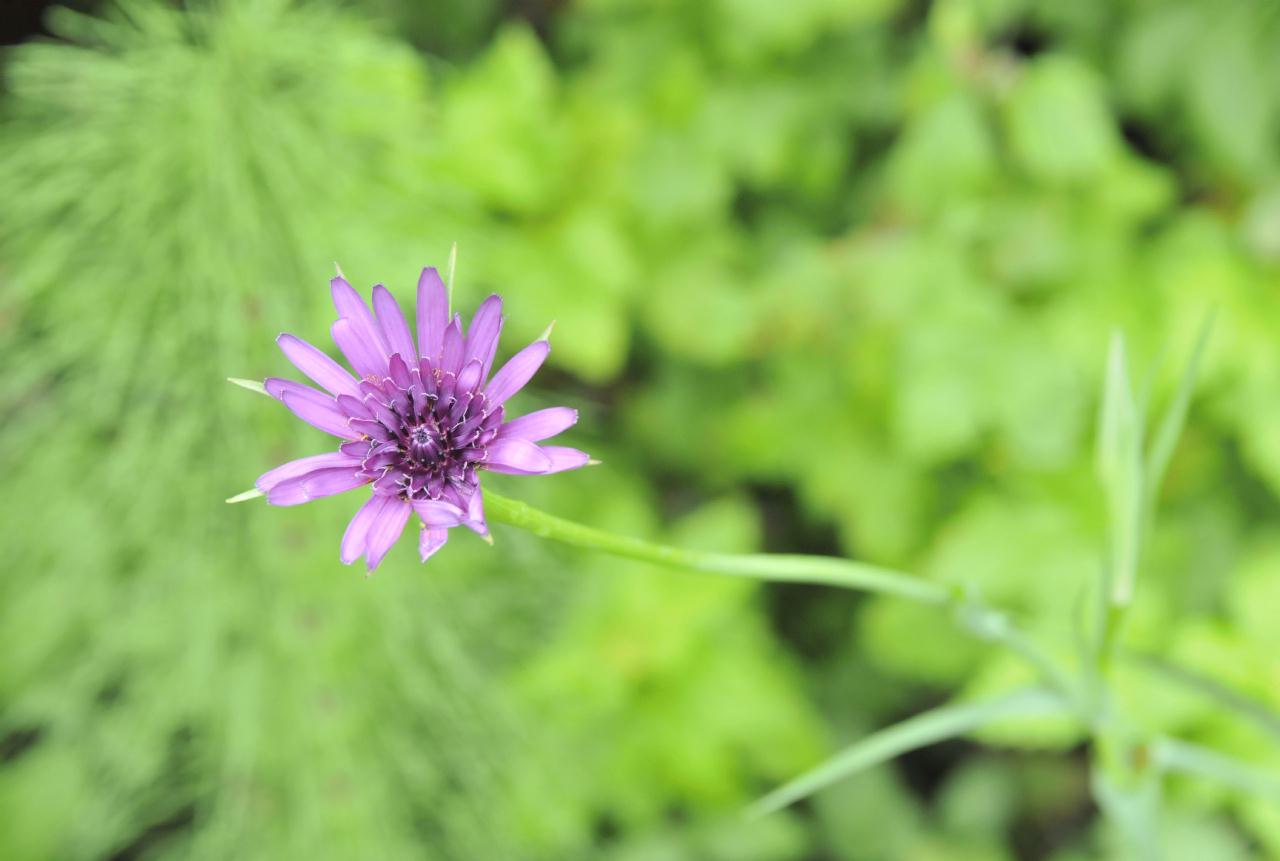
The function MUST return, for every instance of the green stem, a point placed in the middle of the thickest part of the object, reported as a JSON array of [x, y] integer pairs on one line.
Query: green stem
[[819, 570], [973, 615]]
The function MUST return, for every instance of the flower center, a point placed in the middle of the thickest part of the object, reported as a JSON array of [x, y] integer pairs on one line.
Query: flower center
[[426, 437], [424, 444]]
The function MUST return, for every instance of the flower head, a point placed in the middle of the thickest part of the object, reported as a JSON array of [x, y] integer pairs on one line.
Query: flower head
[[419, 423]]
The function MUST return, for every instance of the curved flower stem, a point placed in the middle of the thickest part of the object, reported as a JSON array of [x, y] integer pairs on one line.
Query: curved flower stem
[[778, 568], [972, 614]]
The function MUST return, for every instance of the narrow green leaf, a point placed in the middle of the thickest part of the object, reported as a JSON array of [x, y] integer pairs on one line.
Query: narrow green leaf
[[1248, 708], [251, 385], [924, 729], [1117, 399], [1120, 468], [996, 626], [1166, 438], [1180, 756], [246, 496]]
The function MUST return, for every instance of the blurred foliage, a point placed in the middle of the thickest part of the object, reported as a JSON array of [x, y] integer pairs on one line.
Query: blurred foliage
[[829, 275]]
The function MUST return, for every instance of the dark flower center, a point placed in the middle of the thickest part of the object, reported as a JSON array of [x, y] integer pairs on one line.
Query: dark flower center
[[425, 437], [425, 444]]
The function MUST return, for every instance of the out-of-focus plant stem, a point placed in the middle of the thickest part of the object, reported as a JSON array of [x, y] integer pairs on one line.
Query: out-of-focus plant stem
[[778, 568], [972, 614]]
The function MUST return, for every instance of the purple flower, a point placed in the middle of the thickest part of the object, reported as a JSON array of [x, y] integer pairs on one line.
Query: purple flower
[[419, 423]]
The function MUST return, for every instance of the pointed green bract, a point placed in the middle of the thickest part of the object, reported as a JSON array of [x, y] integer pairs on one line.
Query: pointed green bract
[[246, 496], [452, 268], [251, 385]]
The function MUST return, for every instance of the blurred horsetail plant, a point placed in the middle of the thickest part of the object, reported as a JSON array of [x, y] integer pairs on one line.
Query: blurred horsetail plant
[[1127, 767], [675, 179]]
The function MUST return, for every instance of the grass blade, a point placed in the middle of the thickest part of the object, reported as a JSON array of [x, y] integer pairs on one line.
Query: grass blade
[[924, 729], [1120, 468], [1244, 706], [1166, 438], [1180, 756], [1117, 407]]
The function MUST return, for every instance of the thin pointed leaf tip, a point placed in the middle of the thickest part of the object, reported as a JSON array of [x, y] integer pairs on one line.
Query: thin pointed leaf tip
[[418, 421]]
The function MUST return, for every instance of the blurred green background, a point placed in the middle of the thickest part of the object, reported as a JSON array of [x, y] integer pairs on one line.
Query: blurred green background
[[830, 276]]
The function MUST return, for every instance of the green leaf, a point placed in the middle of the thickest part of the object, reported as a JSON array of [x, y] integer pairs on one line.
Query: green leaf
[[1180, 756], [1117, 408], [1057, 120], [1166, 438], [924, 729], [1253, 710], [1120, 467]]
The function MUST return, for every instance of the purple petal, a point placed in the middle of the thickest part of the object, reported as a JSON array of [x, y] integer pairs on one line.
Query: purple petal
[[382, 412], [382, 459], [351, 307], [392, 483], [317, 366], [357, 534], [563, 458], [302, 466], [433, 313], [370, 428], [314, 485], [437, 514], [362, 356], [353, 407], [516, 456], [305, 394], [516, 372], [475, 514], [454, 345], [468, 378], [399, 371], [326, 417], [482, 336], [431, 540], [277, 386], [370, 388], [358, 449], [385, 529], [450, 494], [427, 376], [540, 425], [394, 327]]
